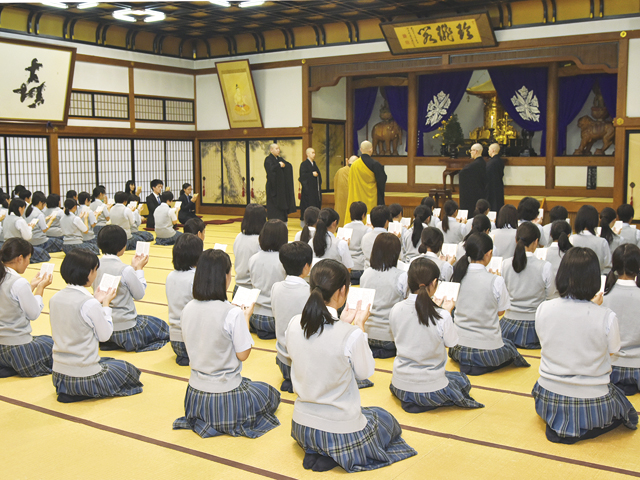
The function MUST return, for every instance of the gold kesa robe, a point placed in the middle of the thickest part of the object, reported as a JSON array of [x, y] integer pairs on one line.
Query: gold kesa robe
[[362, 187], [341, 192]]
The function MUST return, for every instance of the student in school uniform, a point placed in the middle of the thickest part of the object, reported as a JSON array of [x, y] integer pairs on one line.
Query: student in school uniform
[[131, 332], [556, 213], [187, 210], [74, 227], [358, 224], [25, 195], [608, 219], [153, 200], [166, 218], [265, 269], [628, 234], [529, 280], [53, 208], [380, 218], [21, 303], [390, 284], [479, 224], [79, 321], [15, 226], [411, 236], [430, 203], [196, 227], [483, 298], [40, 229], [179, 289], [84, 208], [431, 248], [504, 236], [327, 355], [122, 216], [247, 243], [559, 233], [72, 194], [529, 211], [585, 236], [574, 394], [421, 331], [482, 208], [219, 400], [288, 298], [309, 229], [622, 296], [98, 199], [139, 235], [396, 211], [324, 242], [452, 230]]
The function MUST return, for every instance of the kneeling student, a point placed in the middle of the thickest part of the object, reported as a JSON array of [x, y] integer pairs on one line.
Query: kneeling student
[[165, 218]]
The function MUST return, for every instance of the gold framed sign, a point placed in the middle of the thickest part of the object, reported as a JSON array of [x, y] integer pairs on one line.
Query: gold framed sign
[[239, 94], [450, 33], [35, 85]]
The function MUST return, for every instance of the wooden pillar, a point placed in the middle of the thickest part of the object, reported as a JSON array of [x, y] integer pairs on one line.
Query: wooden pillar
[[54, 164], [412, 128], [619, 188], [349, 123], [552, 126], [132, 109], [307, 124]]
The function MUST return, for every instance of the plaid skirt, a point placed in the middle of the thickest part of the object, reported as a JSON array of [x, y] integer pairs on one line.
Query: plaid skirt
[[168, 241], [247, 411], [454, 394], [142, 236], [627, 377], [573, 417], [284, 369], [377, 445], [521, 332], [32, 359], [40, 255], [180, 349], [92, 247], [97, 228], [131, 243], [475, 357], [382, 348], [117, 379], [264, 326], [53, 244], [149, 333]]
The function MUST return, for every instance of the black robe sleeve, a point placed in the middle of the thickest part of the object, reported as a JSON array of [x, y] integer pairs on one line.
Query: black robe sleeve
[[310, 196], [495, 185], [472, 184]]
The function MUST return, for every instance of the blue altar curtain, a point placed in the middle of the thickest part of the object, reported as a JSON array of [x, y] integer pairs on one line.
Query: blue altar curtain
[[438, 97], [609, 89], [523, 94], [573, 92], [364, 100], [398, 101]]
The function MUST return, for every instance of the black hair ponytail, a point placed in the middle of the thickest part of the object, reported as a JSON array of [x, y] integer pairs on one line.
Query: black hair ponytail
[[482, 206], [97, 192], [15, 206], [11, 249], [607, 215], [624, 261], [560, 231], [480, 224], [526, 234], [327, 277], [422, 273], [476, 247], [326, 217], [450, 207], [420, 215], [310, 219], [432, 239], [69, 203]]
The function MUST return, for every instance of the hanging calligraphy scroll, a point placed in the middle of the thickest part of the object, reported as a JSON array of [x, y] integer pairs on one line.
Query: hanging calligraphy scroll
[[451, 33], [35, 85]]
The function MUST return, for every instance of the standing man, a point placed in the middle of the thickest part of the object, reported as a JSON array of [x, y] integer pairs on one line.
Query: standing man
[[367, 180], [495, 172], [154, 201], [311, 181], [473, 180], [341, 190], [281, 199]]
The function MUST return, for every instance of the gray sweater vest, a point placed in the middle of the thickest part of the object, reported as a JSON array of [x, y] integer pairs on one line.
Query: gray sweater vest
[[15, 329], [123, 312], [367, 244], [476, 319], [179, 288], [355, 247], [446, 269], [628, 235], [598, 244], [9, 229], [101, 220], [625, 302], [244, 247], [526, 289], [554, 257], [331, 251], [328, 396], [37, 237], [575, 357], [265, 270], [386, 286], [54, 229], [287, 301], [422, 356], [212, 358], [118, 218], [72, 235], [409, 251], [504, 242], [455, 232], [75, 349]]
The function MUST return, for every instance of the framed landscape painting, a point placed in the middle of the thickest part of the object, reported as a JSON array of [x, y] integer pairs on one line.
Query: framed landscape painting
[[239, 94]]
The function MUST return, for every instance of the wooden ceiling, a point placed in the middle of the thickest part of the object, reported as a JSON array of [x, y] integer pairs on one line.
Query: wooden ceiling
[[204, 20]]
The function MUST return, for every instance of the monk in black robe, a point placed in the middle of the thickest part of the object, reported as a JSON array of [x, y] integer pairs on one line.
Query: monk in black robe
[[281, 199], [473, 180], [311, 181], [495, 172]]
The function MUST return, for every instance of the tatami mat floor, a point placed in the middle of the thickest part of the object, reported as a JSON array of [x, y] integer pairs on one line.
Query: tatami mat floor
[[131, 437]]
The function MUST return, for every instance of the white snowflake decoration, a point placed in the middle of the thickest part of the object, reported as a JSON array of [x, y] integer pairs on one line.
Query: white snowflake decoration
[[526, 104], [437, 108]]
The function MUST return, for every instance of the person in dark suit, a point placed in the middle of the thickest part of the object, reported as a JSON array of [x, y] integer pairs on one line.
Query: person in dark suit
[[281, 199], [311, 181], [495, 172], [473, 179], [154, 201], [188, 207]]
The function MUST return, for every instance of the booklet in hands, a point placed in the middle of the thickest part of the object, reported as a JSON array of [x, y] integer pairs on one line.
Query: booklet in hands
[[245, 297], [143, 248], [109, 281], [356, 294]]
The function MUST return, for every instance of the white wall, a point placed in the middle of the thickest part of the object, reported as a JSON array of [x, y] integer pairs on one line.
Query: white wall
[[396, 173], [279, 92], [330, 102], [163, 84], [210, 110], [633, 80], [105, 78], [577, 177], [522, 175], [430, 174]]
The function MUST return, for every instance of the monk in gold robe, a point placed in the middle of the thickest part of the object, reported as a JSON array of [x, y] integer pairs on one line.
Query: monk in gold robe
[[367, 180], [341, 190]]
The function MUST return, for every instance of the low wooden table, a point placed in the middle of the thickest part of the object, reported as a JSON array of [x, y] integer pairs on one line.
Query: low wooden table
[[454, 165]]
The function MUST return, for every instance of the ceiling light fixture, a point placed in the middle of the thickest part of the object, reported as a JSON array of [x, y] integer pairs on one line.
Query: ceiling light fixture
[[129, 15], [220, 3], [251, 3], [88, 5], [55, 4]]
